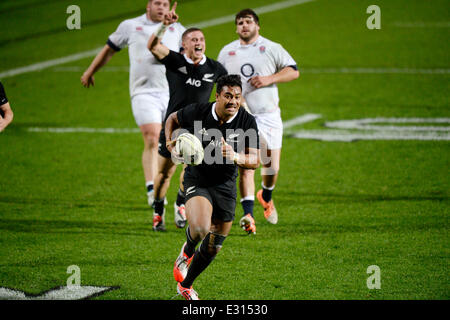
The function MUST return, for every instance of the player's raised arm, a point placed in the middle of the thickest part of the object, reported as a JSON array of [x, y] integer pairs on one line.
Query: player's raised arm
[[154, 44]]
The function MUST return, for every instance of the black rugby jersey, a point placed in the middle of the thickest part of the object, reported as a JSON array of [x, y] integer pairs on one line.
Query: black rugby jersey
[[189, 82], [240, 132], [3, 99]]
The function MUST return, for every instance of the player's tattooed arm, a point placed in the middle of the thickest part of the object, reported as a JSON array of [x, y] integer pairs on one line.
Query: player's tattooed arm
[[154, 44], [285, 75]]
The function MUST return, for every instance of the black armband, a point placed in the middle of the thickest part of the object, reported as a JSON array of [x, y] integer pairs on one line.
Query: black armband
[[112, 45]]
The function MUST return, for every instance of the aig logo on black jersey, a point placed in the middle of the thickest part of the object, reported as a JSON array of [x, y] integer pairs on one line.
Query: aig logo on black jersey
[[194, 82]]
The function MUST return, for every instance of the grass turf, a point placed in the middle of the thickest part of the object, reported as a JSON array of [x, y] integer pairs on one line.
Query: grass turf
[[79, 198]]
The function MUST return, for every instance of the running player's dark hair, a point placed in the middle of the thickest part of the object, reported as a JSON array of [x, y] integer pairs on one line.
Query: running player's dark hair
[[245, 13], [230, 80], [193, 29]]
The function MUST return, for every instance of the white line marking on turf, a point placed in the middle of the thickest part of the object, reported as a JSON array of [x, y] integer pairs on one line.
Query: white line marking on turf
[[348, 136], [300, 120], [377, 70], [61, 293], [84, 130], [365, 124], [306, 70], [80, 69], [287, 124], [379, 132], [204, 24], [422, 24], [49, 63], [261, 10]]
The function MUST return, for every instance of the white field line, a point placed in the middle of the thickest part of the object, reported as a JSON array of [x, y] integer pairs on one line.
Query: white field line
[[367, 131], [261, 10], [300, 120], [376, 70], [61, 293], [78, 69], [49, 63], [422, 24], [348, 136], [204, 24], [306, 70], [340, 133], [367, 124], [84, 130], [287, 124]]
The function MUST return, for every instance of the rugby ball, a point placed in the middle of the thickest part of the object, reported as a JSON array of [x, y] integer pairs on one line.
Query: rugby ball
[[190, 148]]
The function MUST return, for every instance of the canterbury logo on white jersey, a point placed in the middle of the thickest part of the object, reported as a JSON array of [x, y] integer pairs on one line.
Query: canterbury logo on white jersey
[[190, 190], [207, 76], [194, 82]]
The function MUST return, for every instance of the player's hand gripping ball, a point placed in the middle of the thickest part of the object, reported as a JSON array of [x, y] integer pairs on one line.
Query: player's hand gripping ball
[[190, 148]]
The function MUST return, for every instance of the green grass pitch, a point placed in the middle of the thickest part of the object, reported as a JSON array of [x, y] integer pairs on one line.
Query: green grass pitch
[[79, 198]]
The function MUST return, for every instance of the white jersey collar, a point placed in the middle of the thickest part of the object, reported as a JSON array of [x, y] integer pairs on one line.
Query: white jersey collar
[[257, 41], [147, 21], [192, 62], [216, 117]]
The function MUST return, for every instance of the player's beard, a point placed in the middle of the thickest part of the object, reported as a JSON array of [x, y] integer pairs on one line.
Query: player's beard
[[249, 37]]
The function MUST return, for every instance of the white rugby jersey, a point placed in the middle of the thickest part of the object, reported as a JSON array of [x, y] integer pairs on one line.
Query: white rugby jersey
[[261, 58], [146, 73]]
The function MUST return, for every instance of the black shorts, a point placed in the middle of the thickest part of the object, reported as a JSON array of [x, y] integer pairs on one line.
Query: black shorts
[[222, 198], [162, 149]]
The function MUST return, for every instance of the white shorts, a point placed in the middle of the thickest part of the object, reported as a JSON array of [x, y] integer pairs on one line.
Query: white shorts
[[270, 129], [149, 107]]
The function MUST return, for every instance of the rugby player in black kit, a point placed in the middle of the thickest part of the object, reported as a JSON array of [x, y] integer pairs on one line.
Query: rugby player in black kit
[[229, 136], [191, 78], [6, 114]]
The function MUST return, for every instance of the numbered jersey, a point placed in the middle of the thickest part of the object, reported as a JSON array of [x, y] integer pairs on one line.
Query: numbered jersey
[[146, 73], [261, 58]]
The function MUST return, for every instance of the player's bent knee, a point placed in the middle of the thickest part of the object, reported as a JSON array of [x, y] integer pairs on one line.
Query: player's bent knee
[[200, 231]]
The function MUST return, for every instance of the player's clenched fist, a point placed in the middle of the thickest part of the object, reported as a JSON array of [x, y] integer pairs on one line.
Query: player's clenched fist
[[227, 150], [260, 81]]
